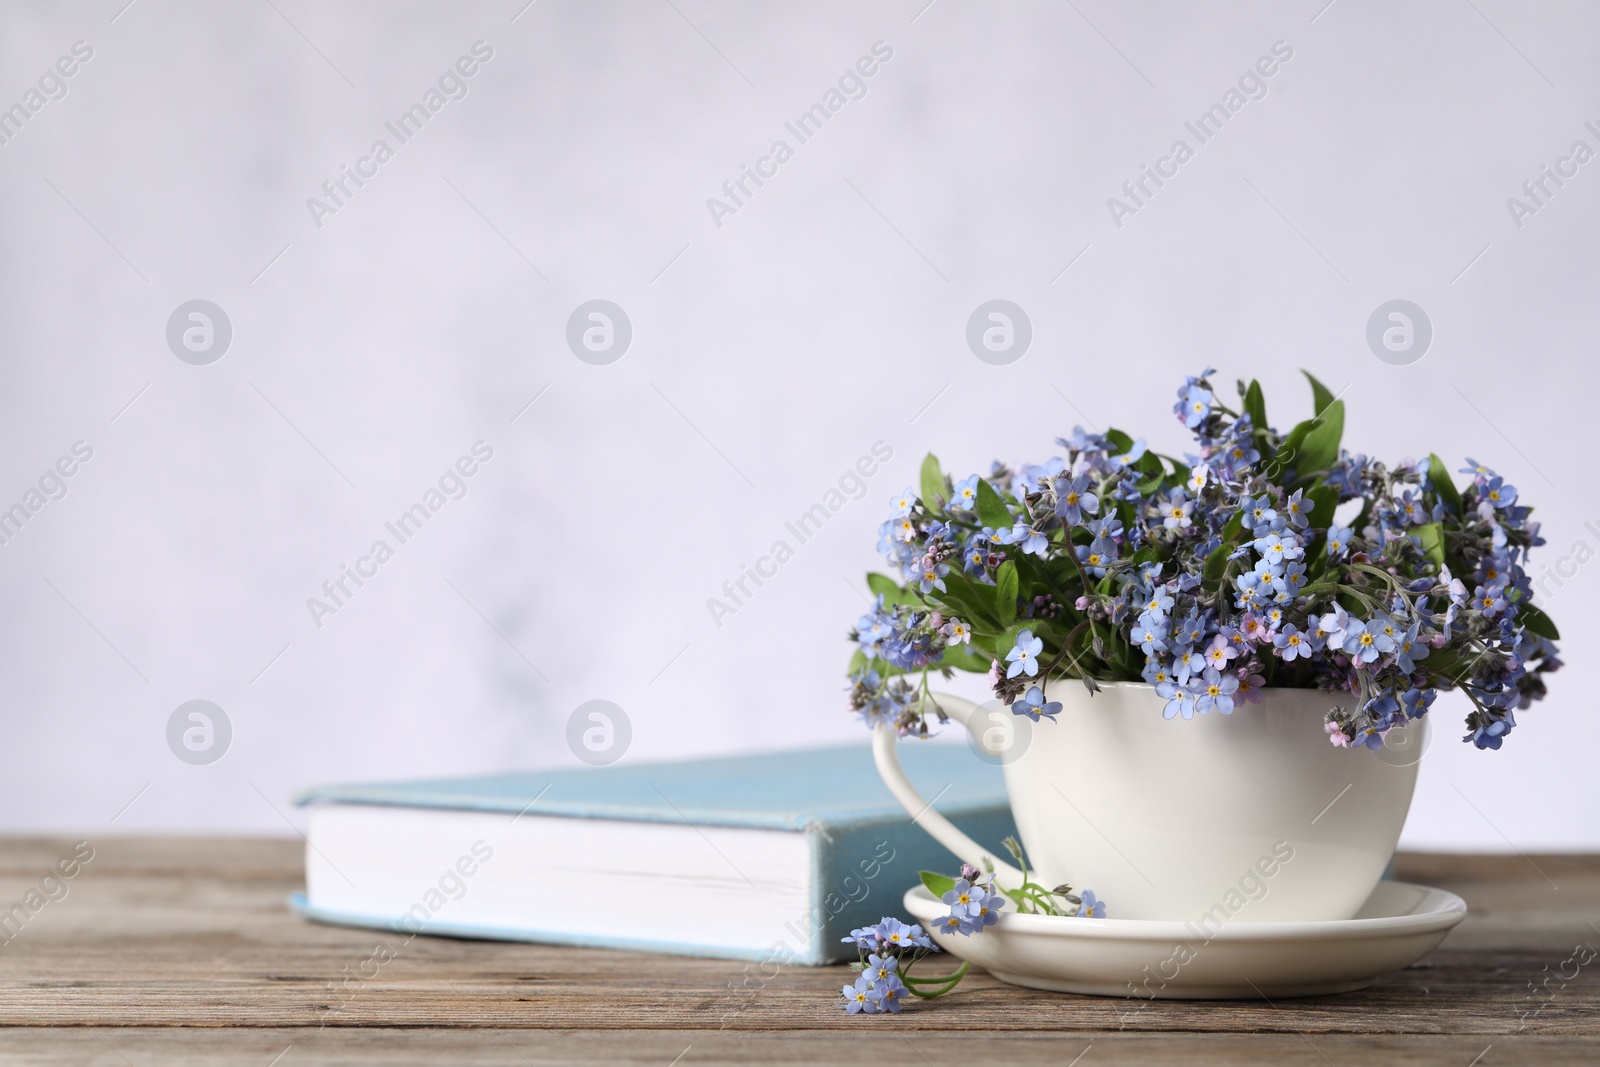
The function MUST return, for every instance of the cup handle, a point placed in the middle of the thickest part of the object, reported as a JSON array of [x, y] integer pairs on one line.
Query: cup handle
[[922, 812]]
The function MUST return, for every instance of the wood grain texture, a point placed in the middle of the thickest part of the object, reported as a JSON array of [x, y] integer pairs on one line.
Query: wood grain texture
[[182, 951]]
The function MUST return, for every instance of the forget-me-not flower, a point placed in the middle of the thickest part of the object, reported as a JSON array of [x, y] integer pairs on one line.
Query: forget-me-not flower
[[1034, 705], [1022, 656]]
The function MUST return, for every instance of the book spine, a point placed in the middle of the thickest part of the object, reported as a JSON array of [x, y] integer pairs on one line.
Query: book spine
[[860, 873]]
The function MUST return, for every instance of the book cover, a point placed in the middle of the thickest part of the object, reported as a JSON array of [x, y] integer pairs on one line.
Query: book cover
[[864, 849]]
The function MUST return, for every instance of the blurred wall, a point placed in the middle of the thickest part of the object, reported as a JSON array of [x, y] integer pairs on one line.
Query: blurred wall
[[540, 157]]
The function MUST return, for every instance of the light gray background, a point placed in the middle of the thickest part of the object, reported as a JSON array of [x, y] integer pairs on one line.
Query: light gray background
[[768, 354]]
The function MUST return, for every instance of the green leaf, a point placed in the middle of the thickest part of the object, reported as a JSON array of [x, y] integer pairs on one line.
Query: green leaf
[[962, 658], [1008, 640], [987, 645], [933, 489], [858, 663], [1297, 434], [1119, 441], [1439, 475], [891, 591], [1320, 396], [971, 602], [1256, 406], [992, 511], [1537, 621], [882, 584], [1005, 591], [938, 884], [1217, 562], [1320, 449], [1324, 501], [1432, 537]]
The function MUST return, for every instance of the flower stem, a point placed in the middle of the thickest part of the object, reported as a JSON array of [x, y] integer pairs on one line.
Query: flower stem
[[941, 985]]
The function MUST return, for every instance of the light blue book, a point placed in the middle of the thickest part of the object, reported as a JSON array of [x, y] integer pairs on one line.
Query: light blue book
[[769, 857]]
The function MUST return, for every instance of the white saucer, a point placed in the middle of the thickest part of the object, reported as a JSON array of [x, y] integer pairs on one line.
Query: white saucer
[[1399, 924]]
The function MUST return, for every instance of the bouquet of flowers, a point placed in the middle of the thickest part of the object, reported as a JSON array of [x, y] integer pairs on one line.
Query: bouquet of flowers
[[1261, 559]]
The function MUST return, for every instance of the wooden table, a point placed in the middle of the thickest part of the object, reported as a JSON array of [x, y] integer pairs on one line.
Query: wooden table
[[181, 951]]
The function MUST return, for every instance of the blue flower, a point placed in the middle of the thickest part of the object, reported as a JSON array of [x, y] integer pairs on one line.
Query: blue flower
[[1190, 632], [1180, 701], [1188, 664], [1093, 907], [1134, 454], [880, 968], [966, 494], [892, 931], [1491, 735], [1022, 656], [1220, 651], [1411, 509], [872, 629], [888, 993], [1258, 513], [1498, 493], [864, 937], [1073, 498], [1253, 627], [1031, 541], [903, 529], [857, 997], [1332, 625], [1150, 634], [1295, 508], [1176, 510], [1158, 603], [1096, 555], [986, 912], [1109, 527], [1387, 628], [904, 502], [1291, 643], [972, 908], [961, 894], [1252, 590], [956, 632], [1364, 642], [1277, 549], [933, 578], [1033, 705], [1216, 692], [1195, 406], [1416, 702], [1339, 538], [1294, 579]]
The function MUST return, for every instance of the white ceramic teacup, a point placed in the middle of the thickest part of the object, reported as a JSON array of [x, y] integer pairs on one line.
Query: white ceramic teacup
[[1251, 815]]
